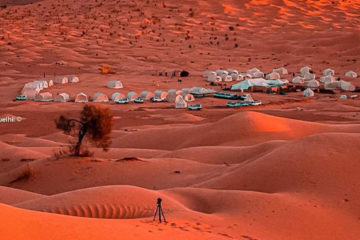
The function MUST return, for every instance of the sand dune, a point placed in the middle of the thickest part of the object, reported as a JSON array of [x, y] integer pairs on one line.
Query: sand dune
[[13, 196]]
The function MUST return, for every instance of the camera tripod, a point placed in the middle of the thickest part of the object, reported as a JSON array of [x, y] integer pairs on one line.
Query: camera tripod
[[159, 210]]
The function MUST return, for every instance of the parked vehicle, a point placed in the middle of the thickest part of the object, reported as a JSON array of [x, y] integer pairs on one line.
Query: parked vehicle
[[155, 99], [195, 107], [122, 101], [139, 100], [21, 98], [228, 95], [237, 104]]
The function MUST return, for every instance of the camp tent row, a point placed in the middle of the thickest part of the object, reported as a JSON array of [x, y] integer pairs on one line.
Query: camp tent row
[[257, 82]]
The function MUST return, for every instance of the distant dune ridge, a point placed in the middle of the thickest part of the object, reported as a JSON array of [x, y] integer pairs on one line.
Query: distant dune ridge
[[286, 170]]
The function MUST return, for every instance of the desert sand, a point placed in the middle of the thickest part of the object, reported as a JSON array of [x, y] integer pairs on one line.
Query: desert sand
[[285, 170]]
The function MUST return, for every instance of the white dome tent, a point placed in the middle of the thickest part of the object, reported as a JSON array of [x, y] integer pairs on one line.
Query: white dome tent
[[313, 84], [73, 79], [309, 93], [304, 70], [185, 91], [327, 78], [42, 83], [351, 74], [61, 80], [51, 83], [114, 84], [171, 96], [347, 86], [43, 97], [180, 102], [329, 72], [160, 94], [189, 98], [214, 78], [146, 95], [273, 76], [132, 96], [281, 71], [100, 97], [117, 96], [62, 97], [228, 78], [29, 93], [298, 80], [81, 98], [309, 76]]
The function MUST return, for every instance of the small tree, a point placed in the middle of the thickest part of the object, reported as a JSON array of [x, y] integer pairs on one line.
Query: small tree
[[95, 123]]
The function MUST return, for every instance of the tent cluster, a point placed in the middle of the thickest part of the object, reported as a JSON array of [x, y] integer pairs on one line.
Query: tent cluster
[[32, 90], [328, 81]]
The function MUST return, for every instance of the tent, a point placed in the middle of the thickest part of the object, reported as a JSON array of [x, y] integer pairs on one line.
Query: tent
[[132, 95], [221, 72], [62, 97], [246, 84], [281, 71], [304, 70], [61, 80], [228, 78], [34, 86], [245, 76], [248, 98], [208, 73], [309, 93], [171, 96], [42, 83], [100, 97], [235, 76], [46, 96], [309, 76], [115, 84], [146, 95], [257, 74], [189, 98], [273, 76], [332, 85], [160, 94], [351, 74], [313, 84], [29, 93], [327, 78], [117, 96], [329, 72], [231, 71], [51, 83], [180, 102], [214, 78], [185, 91], [346, 86], [277, 82], [81, 97], [73, 79], [298, 80], [253, 70]]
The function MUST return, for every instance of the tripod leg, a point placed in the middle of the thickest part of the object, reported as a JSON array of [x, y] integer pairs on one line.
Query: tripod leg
[[155, 213], [162, 213]]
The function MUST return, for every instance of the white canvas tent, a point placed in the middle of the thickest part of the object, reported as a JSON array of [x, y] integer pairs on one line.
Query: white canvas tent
[[346, 86], [61, 80], [304, 70], [100, 97], [228, 78], [313, 84], [62, 97], [208, 73], [29, 93], [42, 83], [81, 98], [146, 95], [351, 74], [248, 98], [115, 84], [245, 76], [327, 78], [46, 96], [308, 93], [180, 102], [332, 85], [235, 76], [329, 72], [132, 95], [185, 91], [51, 83], [309, 76], [214, 78], [171, 96], [231, 71], [189, 98], [160, 94], [281, 71], [73, 79], [117, 96], [298, 80], [273, 76]]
